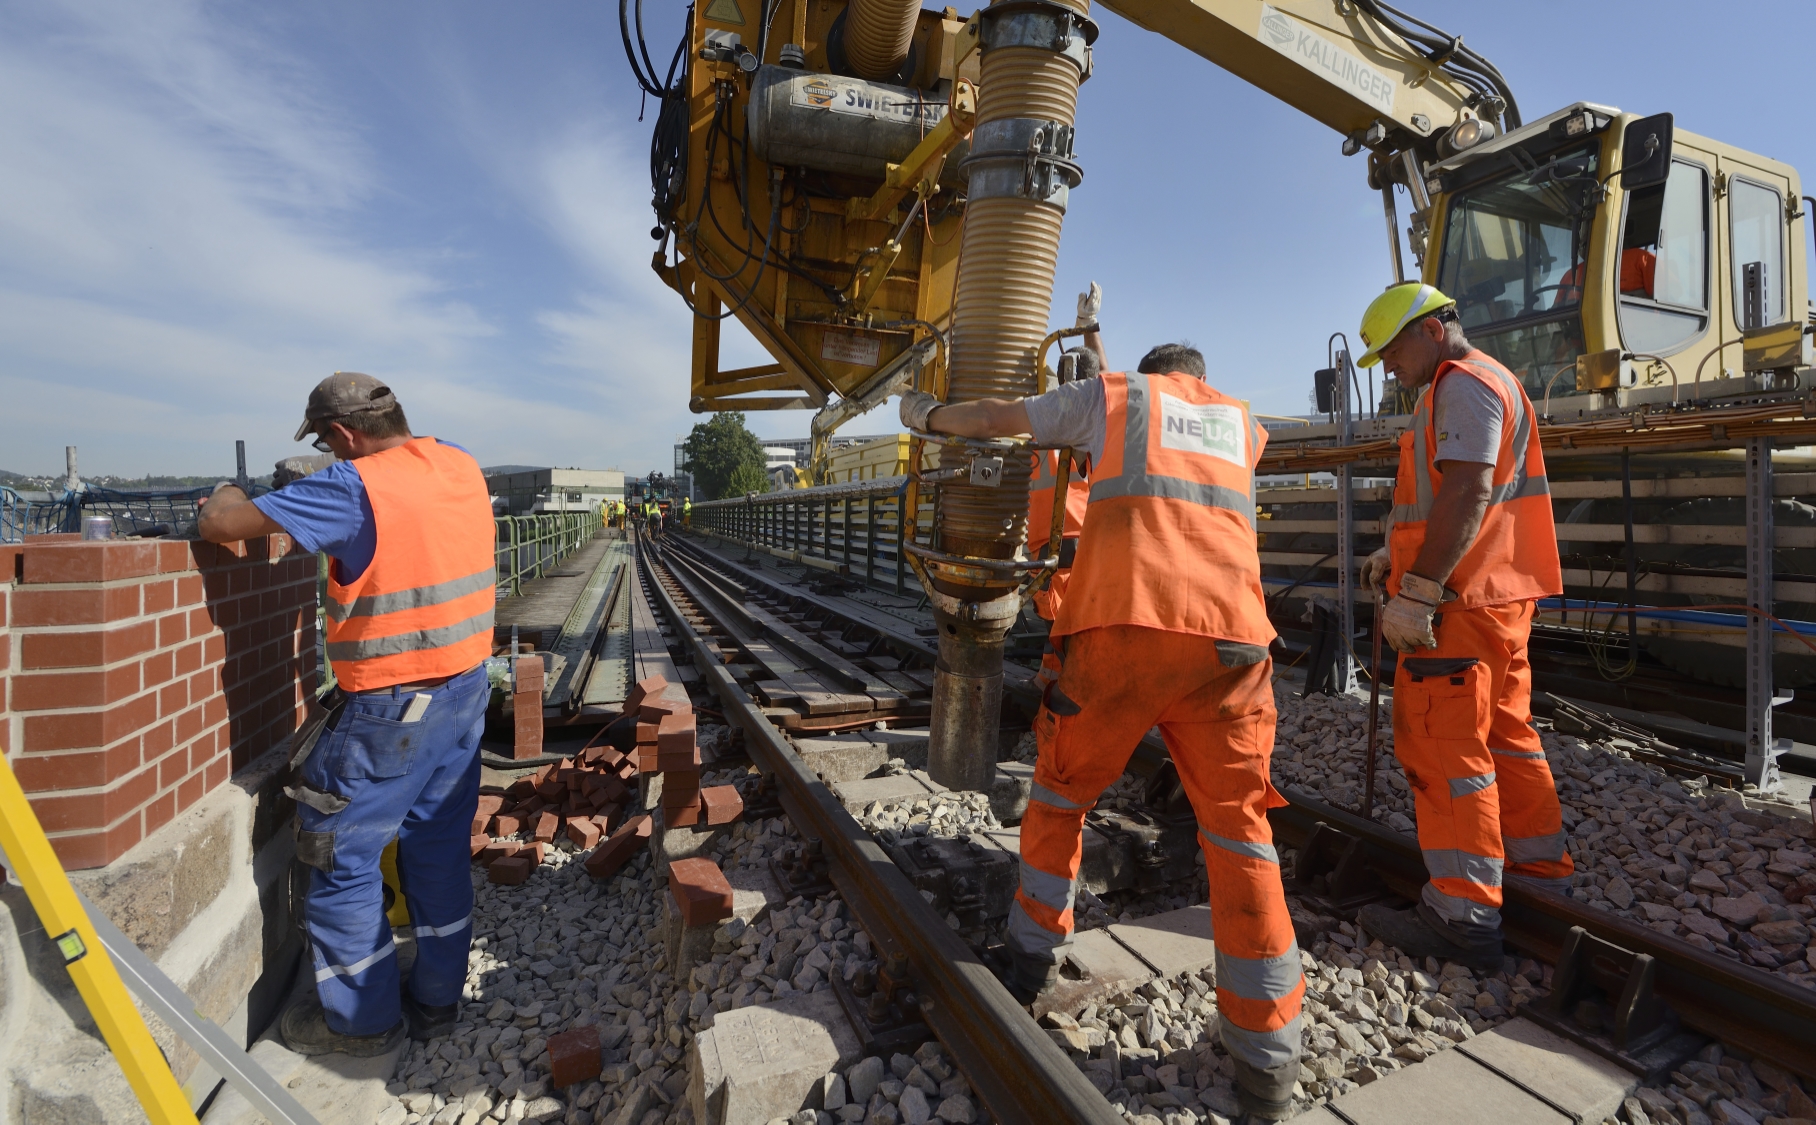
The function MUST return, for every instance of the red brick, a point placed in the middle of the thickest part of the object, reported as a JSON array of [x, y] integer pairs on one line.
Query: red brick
[[510, 870], [161, 811], [201, 621], [88, 649], [86, 730], [216, 773], [479, 843], [92, 769], [498, 849], [680, 789], [700, 891], [644, 688], [89, 561], [529, 674], [547, 824], [675, 734], [172, 768], [684, 761], [574, 1056], [78, 851], [583, 832], [48, 691], [506, 826], [681, 816], [191, 790], [189, 724], [173, 557], [536, 849], [173, 629], [490, 803], [80, 812], [721, 803], [673, 700], [158, 668], [648, 733], [173, 699], [526, 742], [615, 852], [93, 605]]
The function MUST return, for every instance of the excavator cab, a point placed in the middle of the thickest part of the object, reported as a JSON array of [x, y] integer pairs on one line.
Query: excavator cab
[[1596, 233]]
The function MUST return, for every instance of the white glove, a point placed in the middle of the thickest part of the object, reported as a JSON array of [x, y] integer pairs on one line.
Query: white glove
[[1090, 303], [917, 406], [1375, 568], [1406, 622]]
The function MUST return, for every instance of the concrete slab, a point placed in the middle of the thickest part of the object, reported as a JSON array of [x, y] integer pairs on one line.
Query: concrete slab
[[759, 1063], [841, 759], [331, 1087], [857, 795], [1096, 967], [1449, 1087], [1578, 1081], [754, 893], [1009, 793], [1176, 942], [669, 844], [1317, 1115]]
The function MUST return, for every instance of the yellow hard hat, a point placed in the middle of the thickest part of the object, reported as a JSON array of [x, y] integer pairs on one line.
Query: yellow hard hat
[[1393, 311]]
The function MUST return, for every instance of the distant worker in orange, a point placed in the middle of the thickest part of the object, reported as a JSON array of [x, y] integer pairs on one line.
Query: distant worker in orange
[[1472, 548], [1163, 623]]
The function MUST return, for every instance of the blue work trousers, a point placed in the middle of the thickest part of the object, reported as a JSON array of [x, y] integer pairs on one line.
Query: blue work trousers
[[417, 782]]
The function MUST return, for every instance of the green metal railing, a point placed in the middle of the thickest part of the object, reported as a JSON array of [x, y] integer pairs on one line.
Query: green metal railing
[[528, 546], [854, 529]]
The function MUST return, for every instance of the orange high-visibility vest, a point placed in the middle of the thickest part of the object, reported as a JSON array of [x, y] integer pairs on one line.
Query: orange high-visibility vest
[[1514, 556], [423, 607], [1169, 532], [1040, 499]]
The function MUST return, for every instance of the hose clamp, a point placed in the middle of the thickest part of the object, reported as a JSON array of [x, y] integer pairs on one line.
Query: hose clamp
[[1040, 24], [1022, 158]]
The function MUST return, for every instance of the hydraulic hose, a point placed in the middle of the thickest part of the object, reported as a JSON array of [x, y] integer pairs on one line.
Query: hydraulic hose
[[878, 34], [1020, 170], [1009, 253]]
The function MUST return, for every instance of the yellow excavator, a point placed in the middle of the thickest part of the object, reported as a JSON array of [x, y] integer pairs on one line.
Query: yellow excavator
[[822, 167]]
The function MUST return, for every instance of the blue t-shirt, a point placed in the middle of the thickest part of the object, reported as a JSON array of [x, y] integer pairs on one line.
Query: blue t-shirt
[[328, 511]]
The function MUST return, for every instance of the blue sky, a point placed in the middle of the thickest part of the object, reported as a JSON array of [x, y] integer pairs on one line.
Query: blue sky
[[206, 207]]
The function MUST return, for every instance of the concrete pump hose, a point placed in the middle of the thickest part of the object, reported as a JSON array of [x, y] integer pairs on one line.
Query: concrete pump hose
[[1004, 295], [878, 34]]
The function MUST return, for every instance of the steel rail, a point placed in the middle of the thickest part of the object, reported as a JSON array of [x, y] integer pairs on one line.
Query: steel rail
[[1738, 1004], [1015, 1067]]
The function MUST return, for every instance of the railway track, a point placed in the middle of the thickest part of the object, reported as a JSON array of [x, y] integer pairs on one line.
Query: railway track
[[739, 623]]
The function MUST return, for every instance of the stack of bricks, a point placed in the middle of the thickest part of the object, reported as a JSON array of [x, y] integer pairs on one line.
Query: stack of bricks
[[137, 675], [578, 797], [527, 679], [666, 721]]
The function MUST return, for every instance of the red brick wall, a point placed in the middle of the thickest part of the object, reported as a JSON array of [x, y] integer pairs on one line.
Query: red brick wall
[[143, 673]]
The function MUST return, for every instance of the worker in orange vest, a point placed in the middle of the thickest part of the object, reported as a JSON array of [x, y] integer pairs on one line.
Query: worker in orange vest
[[408, 526], [1471, 549], [1163, 624], [1087, 363]]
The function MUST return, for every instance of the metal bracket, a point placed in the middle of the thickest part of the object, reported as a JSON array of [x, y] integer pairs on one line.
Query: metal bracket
[[1762, 748], [1022, 158], [1332, 864], [1603, 997], [882, 1007], [1040, 24], [802, 870]]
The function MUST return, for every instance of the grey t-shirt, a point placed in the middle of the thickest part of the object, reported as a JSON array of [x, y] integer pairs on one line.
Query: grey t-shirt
[[1467, 419], [1072, 415]]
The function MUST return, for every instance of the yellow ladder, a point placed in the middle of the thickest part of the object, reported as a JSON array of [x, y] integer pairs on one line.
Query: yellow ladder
[[96, 979]]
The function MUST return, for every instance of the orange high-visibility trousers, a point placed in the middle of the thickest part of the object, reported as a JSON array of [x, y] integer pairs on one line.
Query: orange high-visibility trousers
[[1213, 701], [1486, 803]]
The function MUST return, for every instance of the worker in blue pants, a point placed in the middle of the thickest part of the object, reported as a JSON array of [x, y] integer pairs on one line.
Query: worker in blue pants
[[409, 613]]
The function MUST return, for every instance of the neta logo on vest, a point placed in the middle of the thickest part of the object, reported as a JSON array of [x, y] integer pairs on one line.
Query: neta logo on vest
[[1213, 428]]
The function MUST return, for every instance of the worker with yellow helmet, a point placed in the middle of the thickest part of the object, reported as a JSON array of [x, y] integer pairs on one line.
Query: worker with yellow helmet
[[1470, 550]]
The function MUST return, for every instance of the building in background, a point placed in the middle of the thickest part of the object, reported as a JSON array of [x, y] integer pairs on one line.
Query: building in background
[[523, 491]]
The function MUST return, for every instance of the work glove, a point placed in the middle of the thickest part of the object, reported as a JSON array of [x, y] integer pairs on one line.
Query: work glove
[[1375, 568], [1090, 303], [917, 406], [1406, 622]]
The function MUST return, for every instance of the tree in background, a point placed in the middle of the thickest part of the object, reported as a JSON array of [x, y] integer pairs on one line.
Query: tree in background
[[725, 457]]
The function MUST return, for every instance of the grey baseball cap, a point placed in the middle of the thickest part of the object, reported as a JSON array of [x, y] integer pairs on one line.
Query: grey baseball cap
[[341, 394]]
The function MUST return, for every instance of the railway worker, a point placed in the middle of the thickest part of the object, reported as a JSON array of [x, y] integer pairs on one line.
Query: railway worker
[[408, 525], [687, 512], [1471, 549], [1163, 624]]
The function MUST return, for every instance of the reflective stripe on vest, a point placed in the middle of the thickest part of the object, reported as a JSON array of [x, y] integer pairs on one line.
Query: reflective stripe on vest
[[1520, 485], [1140, 482], [1169, 532], [1514, 554], [424, 605], [1043, 478]]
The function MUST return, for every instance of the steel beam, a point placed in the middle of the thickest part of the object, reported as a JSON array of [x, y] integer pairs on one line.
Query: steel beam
[[1762, 748]]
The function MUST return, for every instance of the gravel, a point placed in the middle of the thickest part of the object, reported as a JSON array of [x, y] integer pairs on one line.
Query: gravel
[[1700, 864]]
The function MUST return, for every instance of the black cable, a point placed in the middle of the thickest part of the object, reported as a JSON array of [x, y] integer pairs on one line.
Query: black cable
[[1448, 52]]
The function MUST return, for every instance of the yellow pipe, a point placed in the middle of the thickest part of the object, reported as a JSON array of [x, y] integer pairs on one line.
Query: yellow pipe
[[878, 34]]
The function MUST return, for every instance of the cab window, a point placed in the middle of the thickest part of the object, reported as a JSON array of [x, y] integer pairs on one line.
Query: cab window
[[1664, 262], [1756, 235]]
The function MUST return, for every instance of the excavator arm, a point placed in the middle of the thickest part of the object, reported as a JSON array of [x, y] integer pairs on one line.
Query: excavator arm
[[1334, 62]]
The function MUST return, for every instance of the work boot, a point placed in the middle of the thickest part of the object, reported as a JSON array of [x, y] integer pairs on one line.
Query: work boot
[[1417, 937], [1026, 978], [428, 1021], [304, 1028], [1264, 1095]]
